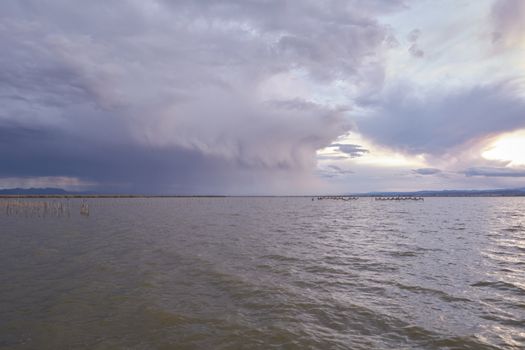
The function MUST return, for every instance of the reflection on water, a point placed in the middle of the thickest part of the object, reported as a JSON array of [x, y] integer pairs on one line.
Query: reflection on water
[[248, 273]]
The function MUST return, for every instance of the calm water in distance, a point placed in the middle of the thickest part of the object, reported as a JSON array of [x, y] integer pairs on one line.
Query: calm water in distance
[[266, 273]]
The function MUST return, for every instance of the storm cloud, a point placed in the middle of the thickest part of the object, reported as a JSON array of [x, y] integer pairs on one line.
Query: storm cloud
[[234, 96], [173, 93]]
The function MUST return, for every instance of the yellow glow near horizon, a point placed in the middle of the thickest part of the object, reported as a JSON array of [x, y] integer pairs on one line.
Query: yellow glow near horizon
[[376, 157], [508, 147], [385, 159]]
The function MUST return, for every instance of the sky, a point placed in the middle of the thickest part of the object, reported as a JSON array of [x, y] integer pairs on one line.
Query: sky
[[271, 97]]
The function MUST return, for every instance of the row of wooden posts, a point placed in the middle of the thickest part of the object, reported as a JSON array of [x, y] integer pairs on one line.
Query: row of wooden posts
[[393, 198], [40, 208], [340, 198], [400, 198]]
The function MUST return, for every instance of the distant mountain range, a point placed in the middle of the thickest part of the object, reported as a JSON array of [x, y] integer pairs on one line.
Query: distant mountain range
[[443, 193], [453, 193], [35, 191]]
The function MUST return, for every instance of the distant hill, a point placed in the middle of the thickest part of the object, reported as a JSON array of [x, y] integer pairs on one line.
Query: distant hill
[[34, 191], [455, 193]]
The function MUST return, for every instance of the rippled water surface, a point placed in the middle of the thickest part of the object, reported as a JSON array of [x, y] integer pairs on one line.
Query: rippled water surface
[[262, 273]]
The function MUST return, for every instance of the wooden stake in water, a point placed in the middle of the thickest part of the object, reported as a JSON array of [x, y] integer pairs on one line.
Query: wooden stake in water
[[84, 209]]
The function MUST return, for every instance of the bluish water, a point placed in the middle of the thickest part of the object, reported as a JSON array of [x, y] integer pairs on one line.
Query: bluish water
[[263, 273]]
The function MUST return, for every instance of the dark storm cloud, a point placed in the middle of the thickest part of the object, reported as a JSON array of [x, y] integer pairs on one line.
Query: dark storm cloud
[[118, 166], [148, 94], [427, 171], [415, 122], [495, 172]]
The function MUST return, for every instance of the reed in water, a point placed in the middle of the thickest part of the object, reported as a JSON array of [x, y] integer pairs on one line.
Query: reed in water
[[84, 209], [34, 208]]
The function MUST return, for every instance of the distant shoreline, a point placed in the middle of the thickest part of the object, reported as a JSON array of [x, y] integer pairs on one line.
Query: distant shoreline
[[61, 193], [126, 196]]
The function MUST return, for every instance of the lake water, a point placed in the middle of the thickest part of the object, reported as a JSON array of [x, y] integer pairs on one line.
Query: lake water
[[266, 273]]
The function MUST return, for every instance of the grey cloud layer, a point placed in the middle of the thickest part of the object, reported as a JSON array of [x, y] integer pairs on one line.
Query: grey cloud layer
[[427, 171], [436, 122], [120, 92], [352, 150], [495, 172], [412, 38], [508, 19]]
